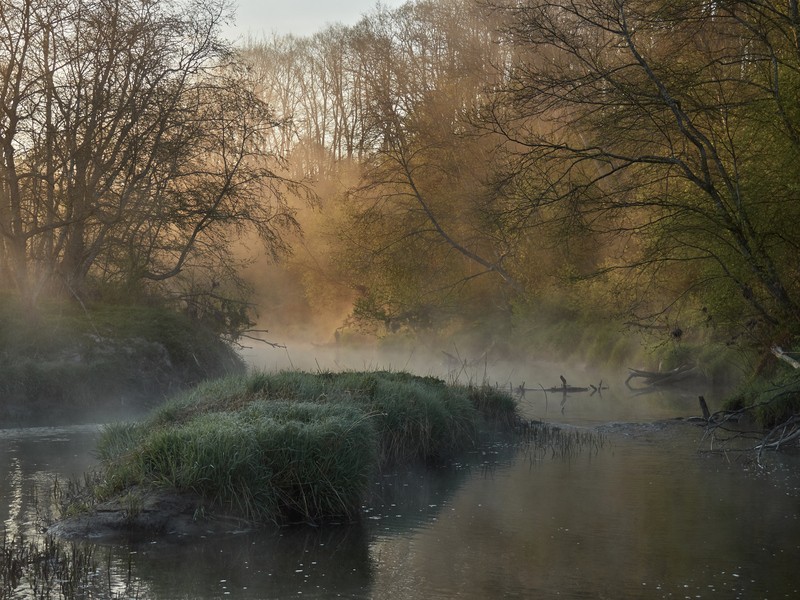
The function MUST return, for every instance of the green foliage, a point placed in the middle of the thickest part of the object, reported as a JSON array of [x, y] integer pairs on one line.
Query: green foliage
[[676, 355], [277, 461], [416, 417], [550, 326], [495, 405], [772, 400]]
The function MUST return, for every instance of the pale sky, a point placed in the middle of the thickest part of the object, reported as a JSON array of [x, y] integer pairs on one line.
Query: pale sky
[[299, 17]]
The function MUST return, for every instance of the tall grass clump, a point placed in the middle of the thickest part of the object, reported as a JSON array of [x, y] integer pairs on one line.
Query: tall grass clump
[[496, 406], [416, 421], [296, 446], [772, 400], [416, 418], [271, 461]]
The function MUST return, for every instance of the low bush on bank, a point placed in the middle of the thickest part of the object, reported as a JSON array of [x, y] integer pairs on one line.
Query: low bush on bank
[[771, 400], [61, 359], [296, 446]]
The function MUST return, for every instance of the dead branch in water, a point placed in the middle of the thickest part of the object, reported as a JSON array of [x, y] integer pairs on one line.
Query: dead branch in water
[[564, 388], [723, 428], [658, 378], [780, 435]]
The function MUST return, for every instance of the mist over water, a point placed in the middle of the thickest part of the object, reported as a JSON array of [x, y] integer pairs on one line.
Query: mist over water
[[641, 514], [615, 402]]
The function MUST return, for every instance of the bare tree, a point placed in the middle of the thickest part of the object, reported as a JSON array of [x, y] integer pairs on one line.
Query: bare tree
[[133, 147]]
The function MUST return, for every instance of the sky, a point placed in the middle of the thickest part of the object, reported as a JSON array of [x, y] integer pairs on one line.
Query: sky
[[299, 17]]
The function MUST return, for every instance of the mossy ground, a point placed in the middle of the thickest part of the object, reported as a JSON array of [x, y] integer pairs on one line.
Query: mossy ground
[[64, 361]]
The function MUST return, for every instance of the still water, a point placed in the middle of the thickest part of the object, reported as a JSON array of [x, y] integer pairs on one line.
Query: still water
[[646, 513]]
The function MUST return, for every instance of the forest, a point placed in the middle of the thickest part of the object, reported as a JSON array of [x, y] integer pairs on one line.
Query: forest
[[528, 175]]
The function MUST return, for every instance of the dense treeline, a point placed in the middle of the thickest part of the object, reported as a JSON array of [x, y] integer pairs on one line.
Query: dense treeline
[[628, 158], [476, 163]]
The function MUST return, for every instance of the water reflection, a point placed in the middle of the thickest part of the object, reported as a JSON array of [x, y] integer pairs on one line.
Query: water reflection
[[15, 495], [321, 562], [30, 458], [620, 524], [641, 516]]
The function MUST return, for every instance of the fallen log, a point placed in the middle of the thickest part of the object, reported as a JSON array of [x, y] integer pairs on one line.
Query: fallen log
[[567, 389], [653, 378], [564, 388]]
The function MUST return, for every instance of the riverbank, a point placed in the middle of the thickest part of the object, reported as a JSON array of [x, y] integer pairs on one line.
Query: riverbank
[[282, 448], [63, 363]]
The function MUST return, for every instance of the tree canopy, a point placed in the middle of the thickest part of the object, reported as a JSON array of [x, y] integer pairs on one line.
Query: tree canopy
[[631, 158], [639, 157]]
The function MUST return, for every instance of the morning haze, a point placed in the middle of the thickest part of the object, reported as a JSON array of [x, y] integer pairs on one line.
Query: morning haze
[[435, 298]]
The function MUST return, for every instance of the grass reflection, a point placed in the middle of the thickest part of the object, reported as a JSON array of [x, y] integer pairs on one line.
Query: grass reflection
[[46, 568]]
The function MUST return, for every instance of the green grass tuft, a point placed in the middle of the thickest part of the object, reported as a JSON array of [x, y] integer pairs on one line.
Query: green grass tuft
[[276, 461], [295, 446], [772, 401]]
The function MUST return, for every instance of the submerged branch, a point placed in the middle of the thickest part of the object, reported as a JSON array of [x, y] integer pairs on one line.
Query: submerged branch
[[727, 421]]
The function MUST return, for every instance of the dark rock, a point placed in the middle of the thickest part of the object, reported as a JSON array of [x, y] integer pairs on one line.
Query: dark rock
[[138, 512]]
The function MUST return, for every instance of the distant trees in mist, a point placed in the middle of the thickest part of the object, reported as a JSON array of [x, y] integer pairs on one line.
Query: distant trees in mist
[[469, 158], [633, 157]]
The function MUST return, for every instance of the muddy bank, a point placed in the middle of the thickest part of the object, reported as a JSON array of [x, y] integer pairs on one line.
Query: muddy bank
[[147, 512]]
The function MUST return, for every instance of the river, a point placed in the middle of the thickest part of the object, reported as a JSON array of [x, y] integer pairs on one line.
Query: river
[[645, 511]]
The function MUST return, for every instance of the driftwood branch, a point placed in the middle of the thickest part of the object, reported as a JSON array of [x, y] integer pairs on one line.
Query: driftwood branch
[[564, 388], [784, 356], [704, 408], [658, 378], [247, 335], [786, 432], [727, 423]]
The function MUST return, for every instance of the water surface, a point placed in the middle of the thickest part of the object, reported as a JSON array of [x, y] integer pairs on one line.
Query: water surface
[[644, 513]]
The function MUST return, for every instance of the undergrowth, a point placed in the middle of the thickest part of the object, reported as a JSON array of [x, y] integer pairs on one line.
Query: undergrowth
[[771, 400]]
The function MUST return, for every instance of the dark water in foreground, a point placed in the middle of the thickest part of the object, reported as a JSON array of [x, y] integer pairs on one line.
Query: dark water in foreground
[[644, 515]]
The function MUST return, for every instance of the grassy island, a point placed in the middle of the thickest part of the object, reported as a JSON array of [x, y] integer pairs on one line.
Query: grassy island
[[291, 446]]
